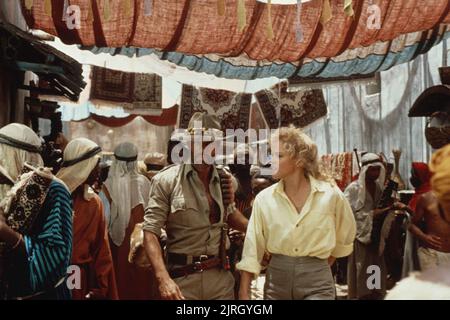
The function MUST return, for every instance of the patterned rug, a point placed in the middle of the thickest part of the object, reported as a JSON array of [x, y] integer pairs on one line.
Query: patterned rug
[[233, 109], [300, 108], [340, 166], [139, 92]]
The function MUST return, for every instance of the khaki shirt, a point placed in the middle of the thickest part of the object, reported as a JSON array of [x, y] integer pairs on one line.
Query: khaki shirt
[[178, 204]]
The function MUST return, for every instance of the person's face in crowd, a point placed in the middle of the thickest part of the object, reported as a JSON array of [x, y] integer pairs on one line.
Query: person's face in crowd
[[241, 169], [415, 181], [281, 161], [389, 169], [373, 173], [197, 154], [94, 176], [259, 184]]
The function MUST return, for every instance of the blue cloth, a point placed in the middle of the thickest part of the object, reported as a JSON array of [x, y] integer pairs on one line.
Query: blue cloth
[[49, 249], [323, 69]]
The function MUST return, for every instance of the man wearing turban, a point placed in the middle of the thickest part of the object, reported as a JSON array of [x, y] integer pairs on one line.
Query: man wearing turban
[[91, 251]]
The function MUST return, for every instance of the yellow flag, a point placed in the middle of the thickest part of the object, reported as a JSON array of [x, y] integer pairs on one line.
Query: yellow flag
[[348, 8], [327, 13], [29, 4], [270, 34], [221, 7], [106, 10], [241, 15], [127, 7], [48, 7]]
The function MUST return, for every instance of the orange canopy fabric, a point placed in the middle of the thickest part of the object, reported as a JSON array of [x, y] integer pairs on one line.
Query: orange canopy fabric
[[195, 26]]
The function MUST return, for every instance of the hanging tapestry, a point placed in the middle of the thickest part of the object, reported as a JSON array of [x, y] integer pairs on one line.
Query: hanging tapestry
[[300, 108], [233, 109], [340, 166], [139, 92]]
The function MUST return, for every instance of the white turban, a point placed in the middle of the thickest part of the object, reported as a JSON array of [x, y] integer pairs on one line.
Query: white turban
[[127, 189], [81, 156], [367, 161], [18, 144]]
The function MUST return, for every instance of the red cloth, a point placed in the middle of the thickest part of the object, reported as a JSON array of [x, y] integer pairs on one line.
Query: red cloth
[[91, 250], [423, 173], [133, 282], [194, 27], [167, 118]]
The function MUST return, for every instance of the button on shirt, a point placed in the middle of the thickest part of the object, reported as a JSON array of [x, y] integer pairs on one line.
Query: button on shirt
[[325, 226], [179, 204]]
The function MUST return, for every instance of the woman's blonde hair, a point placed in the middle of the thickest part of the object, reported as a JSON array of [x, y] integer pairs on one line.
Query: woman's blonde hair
[[301, 148]]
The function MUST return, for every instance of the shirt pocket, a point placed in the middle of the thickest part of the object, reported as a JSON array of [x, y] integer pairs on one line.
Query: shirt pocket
[[321, 224], [183, 214]]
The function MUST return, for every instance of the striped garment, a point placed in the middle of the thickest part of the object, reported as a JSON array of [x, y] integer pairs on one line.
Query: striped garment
[[49, 249]]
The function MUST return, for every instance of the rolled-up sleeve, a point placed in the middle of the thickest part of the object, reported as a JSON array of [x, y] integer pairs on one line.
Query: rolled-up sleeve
[[345, 228], [158, 207], [255, 244]]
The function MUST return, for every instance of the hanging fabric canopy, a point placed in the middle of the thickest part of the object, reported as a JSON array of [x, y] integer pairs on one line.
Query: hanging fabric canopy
[[353, 63], [336, 39]]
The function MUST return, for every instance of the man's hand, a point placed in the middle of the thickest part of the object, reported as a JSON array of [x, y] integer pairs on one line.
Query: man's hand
[[331, 261], [236, 237], [243, 295], [227, 187], [378, 212], [169, 290], [400, 206], [433, 242]]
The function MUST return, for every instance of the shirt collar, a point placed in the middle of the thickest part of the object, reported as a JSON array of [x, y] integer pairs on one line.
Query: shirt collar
[[316, 185], [189, 170]]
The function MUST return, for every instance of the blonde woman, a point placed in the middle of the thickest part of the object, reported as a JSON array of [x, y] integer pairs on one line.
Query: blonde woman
[[304, 222]]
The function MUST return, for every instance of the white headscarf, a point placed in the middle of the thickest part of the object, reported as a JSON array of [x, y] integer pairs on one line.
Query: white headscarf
[[75, 174], [367, 161], [127, 189], [15, 142]]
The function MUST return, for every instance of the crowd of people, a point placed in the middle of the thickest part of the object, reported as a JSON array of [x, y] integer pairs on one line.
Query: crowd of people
[[206, 231]]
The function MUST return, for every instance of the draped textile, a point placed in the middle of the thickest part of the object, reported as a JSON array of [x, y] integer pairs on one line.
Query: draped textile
[[195, 26], [341, 168], [300, 108], [48, 248], [192, 34], [139, 92], [233, 109], [91, 250]]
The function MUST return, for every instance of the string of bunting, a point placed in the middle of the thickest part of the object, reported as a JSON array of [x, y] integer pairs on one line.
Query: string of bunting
[[298, 23], [270, 34], [221, 7]]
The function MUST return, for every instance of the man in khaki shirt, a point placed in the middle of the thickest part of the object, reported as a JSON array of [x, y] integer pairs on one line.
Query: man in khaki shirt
[[187, 201]]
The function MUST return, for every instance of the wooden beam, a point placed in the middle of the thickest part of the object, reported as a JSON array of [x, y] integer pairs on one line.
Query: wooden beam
[[44, 91]]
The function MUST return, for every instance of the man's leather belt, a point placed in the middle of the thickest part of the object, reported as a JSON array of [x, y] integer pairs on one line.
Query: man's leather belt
[[196, 267], [182, 259]]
